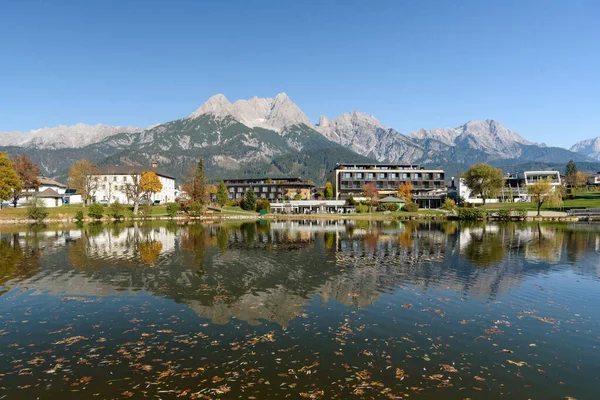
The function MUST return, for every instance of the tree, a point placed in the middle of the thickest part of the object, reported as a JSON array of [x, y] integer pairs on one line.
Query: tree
[[172, 209], [195, 183], [484, 180], [249, 203], [28, 173], [573, 177], [83, 177], [9, 179], [134, 192], [370, 191], [571, 168], [542, 192], [405, 192], [222, 194], [150, 184], [328, 190], [449, 204]]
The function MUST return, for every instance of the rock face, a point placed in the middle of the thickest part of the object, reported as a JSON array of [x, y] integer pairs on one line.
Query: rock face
[[488, 136], [365, 135], [275, 114], [589, 147], [60, 137]]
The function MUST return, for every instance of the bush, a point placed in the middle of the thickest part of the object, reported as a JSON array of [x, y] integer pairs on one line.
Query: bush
[[362, 208], [471, 214], [388, 206], [147, 210], [79, 216], [195, 209], [172, 209], [36, 210], [504, 215], [96, 211], [263, 204], [411, 207], [522, 214], [351, 201], [117, 210], [449, 205], [297, 196]]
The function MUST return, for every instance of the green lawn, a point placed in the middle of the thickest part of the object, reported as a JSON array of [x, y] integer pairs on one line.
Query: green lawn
[[69, 211]]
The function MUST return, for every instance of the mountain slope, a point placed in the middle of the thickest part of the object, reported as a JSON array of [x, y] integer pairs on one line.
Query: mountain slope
[[589, 147]]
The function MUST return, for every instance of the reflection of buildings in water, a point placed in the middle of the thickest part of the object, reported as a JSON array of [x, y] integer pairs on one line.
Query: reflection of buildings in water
[[264, 275], [125, 243]]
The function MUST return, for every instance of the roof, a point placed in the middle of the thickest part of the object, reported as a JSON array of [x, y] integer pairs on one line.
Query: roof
[[44, 181], [49, 193], [391, 199], [130, 170]]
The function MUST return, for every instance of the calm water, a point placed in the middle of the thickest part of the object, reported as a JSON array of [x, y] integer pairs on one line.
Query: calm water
[[300, 310]]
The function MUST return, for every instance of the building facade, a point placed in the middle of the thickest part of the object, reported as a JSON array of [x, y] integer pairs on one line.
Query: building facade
[[514, 189], [272, 189], [112, 181], [429, 188]]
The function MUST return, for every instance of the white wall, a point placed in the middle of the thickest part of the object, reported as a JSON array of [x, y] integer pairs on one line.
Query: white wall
[[112, 188]]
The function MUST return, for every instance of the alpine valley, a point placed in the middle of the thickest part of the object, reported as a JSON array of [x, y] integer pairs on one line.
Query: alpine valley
[[272, 136]]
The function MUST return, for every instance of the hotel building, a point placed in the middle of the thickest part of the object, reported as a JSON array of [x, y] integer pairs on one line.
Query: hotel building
[[429, 188]]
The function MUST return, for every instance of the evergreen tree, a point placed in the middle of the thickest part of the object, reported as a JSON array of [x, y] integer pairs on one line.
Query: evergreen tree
[[249, 203], [222, 195], [195, 183], [571, 168]]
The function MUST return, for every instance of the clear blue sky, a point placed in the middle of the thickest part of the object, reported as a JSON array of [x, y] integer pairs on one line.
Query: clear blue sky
[[531, 65]]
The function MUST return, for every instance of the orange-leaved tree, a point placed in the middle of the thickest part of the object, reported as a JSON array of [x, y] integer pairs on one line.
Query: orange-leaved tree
[[83, 177], [150, 184], [28, 172], [405, 191], [370, 192]]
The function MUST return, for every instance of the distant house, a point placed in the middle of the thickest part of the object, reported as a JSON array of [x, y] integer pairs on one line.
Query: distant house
[[113, 180], [50, 191], [594, 179], [50, 198]]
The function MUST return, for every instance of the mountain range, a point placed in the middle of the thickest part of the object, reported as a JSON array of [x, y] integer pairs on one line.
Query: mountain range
[[272, 136]]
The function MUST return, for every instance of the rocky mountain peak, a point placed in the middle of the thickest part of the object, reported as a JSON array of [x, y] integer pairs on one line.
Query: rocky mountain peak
[[589, 147], [270, 113]]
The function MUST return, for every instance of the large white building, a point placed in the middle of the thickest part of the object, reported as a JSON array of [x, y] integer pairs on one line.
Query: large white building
[[113, 180]]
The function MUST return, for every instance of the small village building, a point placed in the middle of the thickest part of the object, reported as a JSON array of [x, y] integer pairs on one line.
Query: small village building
[[393, 200], [50, 198], [49, 190]]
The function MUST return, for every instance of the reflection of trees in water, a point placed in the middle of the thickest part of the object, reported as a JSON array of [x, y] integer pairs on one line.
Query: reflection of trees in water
[[485, 248], [19, 260], [254, 271]]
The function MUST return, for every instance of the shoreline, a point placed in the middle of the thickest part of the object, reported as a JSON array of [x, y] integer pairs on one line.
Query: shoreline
[[296, 217]]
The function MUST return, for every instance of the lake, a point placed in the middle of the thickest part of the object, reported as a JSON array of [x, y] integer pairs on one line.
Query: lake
[[300, 309]]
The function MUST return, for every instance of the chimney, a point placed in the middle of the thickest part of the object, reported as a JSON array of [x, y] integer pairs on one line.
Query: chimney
[[154, 164]]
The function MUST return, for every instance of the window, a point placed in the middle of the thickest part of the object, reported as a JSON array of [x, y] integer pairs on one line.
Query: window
[[265, 189], [393, 175], [114, 178], [382, 176], [371, 175], [240, 190], [359, 175], [347, 175], [232, 190]]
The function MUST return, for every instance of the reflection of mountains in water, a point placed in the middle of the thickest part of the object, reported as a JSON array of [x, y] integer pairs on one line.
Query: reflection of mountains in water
[[268, 271]]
